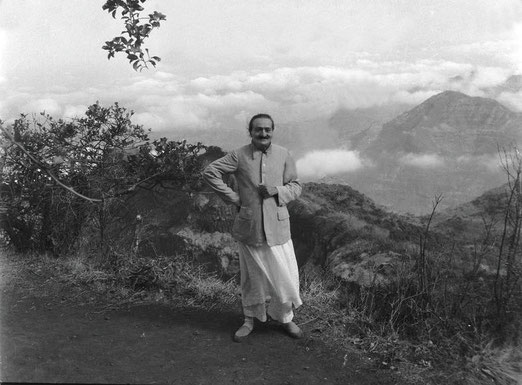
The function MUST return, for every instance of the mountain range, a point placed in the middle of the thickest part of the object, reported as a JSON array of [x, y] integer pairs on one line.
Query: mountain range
[[449, 124], [449, 145]]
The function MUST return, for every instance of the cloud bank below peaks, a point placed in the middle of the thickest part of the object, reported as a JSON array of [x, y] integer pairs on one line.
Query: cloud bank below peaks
[[320, 163], [422, 160], [167, 102]]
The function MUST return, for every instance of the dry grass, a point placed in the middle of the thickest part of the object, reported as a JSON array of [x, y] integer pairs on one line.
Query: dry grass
[[210, 292], [459, 359], [80, 270], [169, 279]]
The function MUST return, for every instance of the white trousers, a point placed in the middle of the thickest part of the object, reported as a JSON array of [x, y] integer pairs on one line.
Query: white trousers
[[269, 274]]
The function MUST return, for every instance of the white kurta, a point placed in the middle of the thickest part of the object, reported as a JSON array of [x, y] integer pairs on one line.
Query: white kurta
[[269, 274]]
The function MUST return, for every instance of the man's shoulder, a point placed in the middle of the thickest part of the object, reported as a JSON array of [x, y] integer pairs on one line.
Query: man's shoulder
[[279, 148], [246, 149]]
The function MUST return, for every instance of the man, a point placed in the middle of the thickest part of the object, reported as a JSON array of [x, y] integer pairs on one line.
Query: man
[[267, 180]]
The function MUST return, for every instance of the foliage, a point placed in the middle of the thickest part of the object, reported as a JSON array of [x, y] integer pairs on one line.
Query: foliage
[[132, 38], [58, 175]]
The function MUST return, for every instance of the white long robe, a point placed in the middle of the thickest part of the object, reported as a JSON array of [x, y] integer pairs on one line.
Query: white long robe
[[269, 273]]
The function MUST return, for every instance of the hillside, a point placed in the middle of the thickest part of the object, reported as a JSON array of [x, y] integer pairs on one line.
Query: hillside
[[329, 216], [468, 221], [357, 128]]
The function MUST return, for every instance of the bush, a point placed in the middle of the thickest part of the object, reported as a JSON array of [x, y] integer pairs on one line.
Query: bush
[[59, 175]]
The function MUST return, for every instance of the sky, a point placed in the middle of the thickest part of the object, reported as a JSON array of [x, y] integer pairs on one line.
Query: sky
[[223, 61]]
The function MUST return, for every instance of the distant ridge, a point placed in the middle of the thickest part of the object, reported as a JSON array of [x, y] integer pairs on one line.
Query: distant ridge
[[452, 124]]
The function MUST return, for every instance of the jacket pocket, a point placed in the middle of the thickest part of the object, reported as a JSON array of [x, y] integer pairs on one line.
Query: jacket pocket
[[282, 213]]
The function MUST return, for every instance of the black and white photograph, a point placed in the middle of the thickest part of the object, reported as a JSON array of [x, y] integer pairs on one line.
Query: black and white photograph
[[261, 192]]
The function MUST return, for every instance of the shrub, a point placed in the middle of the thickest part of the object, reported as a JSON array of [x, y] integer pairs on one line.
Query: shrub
[[58, 175]]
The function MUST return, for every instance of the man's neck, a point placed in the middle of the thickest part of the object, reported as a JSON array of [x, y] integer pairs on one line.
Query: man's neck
[[261, 148]]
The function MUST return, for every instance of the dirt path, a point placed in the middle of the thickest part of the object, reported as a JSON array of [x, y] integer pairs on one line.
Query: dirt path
[[62, 337]]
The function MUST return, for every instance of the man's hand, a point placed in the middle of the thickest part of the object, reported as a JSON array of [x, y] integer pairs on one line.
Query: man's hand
[[266, 191]]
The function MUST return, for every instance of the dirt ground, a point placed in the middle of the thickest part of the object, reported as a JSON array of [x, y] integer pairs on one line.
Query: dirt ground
[[51, 332]]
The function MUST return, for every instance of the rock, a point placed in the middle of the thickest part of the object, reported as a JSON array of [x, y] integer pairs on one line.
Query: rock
[[364, 269], [218, 250]]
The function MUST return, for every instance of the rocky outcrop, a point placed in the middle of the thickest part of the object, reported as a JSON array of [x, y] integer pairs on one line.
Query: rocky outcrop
[[340, 229], [218, 250], [197, 225]]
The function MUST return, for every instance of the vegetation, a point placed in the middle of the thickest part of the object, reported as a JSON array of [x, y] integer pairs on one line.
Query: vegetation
[[60, 176], [136, 32]]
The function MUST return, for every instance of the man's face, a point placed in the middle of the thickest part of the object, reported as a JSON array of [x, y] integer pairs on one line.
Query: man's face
[[261, 133]]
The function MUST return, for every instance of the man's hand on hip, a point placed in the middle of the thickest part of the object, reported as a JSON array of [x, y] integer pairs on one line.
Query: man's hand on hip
[[266, 191]]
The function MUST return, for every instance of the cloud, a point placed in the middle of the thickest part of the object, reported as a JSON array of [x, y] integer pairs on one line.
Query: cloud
[[490, 162], [306, 92], [511, 99], [516, 54], [163, 101], [164, 75], [3, 44], [148, 119], [422, 160], [318, 164], [74, 111], [415, 97], [48, 105]]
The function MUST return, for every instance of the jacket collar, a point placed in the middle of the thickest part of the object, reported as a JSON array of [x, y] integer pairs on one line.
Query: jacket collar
[[254, 149]]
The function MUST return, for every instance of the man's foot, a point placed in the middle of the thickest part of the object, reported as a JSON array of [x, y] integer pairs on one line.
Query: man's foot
[[243, 331], [293, 330]]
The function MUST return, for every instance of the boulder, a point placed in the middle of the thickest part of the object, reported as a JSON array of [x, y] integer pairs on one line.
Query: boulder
[[365, 269], [219, 251]]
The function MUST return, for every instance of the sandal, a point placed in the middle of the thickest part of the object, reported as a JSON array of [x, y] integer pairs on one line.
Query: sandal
[[243, 332], [293, 330]]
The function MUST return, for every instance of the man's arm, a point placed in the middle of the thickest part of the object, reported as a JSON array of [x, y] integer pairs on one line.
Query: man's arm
[[291, 188], [213, 175]]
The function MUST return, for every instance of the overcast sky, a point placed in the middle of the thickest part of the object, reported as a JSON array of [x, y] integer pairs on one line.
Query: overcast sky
[[222, 61]]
